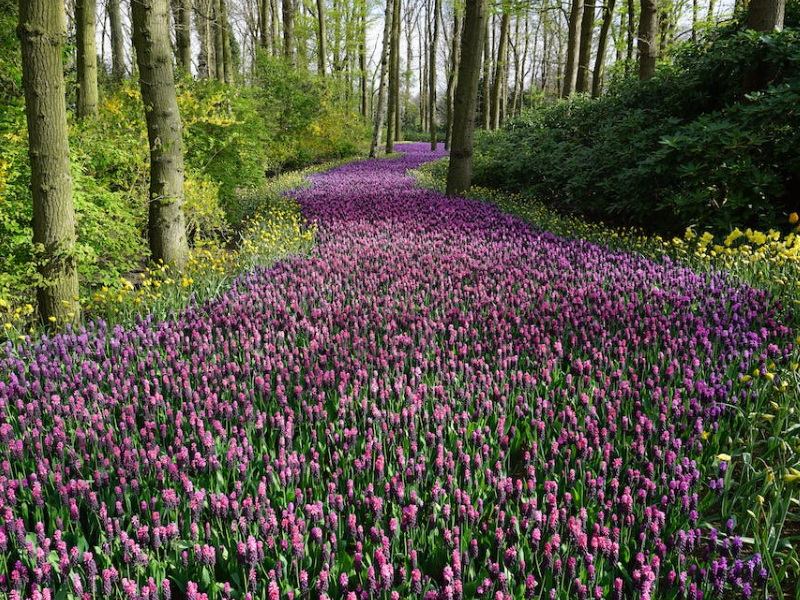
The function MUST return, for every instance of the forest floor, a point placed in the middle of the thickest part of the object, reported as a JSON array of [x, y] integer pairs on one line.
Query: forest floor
[[436, 401]]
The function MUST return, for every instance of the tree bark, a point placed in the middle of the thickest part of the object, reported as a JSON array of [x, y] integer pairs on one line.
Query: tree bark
[[227, 58], [648, 38], [396, 41], [394, 79], [766, 15], [183, 34], [432, 84], [87, 97], [459, 173], [117, 41], [452, 82], [499, 69], [573, 46], [585, 51], [219, 42], [288, 30], [263, 23], [362, 56], [321, 49], [166, 227], [42, 29], [387, 32], [602, 43], [486, 103], [631, 36]]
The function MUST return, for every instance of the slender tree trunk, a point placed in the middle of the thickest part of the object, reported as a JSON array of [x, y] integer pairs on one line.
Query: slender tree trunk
[[85, 13], [710, 17], [263, 23], [585, 51], [42, 29], [766, 15], [631, 36], [648, 38], [117, 41], [486, 104], [274, 28], [362, 56], [499, 68], [219, 42], [166, 228], [602, 42], [226, 42], [322, 51], [409, 59], [432, 84], [387, 33], [396, 42], [288, 30], [573, 47], [455, 60], [694, 20], [183, 33], [459, 173], [394, 83]]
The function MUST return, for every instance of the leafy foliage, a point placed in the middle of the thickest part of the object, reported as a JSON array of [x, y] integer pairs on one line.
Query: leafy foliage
[[689, 146]]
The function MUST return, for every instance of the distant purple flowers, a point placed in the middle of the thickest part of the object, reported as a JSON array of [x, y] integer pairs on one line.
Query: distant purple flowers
[[439, 402]]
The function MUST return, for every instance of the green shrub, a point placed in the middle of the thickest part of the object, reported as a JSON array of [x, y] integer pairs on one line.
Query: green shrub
[[687, 147]]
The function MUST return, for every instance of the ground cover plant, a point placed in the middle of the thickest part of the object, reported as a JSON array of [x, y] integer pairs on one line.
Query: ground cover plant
[[439, 401]]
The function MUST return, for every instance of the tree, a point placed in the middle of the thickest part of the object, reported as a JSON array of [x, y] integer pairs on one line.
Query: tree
[[602, 42], [766, 15], [573, 47], [648, 38], [42, 28], [432, 74], [117, 41], [452, 81], [85, 13], [219, 42], [459, 173], [321, 50], [288, 30], [394, 82], [387, 30], [499, 68], [166, 226], [585, 49], [182, 11]]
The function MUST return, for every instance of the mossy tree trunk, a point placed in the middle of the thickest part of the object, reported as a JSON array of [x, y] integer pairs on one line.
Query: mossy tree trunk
[[322, 51], [452, 81], [87, 97], [42, 28], [459, 173], [573, 48], [391, 121], [166, 226], [602, 44], [499, 68], [432, 74], [288, 30], [182, 11]]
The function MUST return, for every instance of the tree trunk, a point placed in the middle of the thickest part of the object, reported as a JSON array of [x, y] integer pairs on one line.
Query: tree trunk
[[362, 56], [455, 59], [288, 30], [631, 36], [432, 84], [322, 51], [459, 173], [166, 227], [263, 23], [396, 54], [226, 42], [648, 38], [573, 46], [766, 15], [117, 41], [602, 43], [219, 42], [394, 84], [387, 32], [87, 98], [183, 34], [585, 51], [499, 69], [710, 17], [486, 103], [694, 20], [42, 29]]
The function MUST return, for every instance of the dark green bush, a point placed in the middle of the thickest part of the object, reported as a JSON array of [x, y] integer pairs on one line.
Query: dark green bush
[[689, 146]]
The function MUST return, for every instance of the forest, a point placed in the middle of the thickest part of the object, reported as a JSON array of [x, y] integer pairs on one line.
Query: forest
[[382, 299]]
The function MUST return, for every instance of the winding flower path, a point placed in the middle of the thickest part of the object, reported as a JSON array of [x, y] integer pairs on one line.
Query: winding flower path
[[438, 402]]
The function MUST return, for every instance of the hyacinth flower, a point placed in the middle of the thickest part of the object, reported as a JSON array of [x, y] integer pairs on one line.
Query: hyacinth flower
[[438, 402]]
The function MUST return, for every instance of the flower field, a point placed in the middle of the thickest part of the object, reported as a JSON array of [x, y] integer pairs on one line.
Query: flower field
[[438, 402]]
